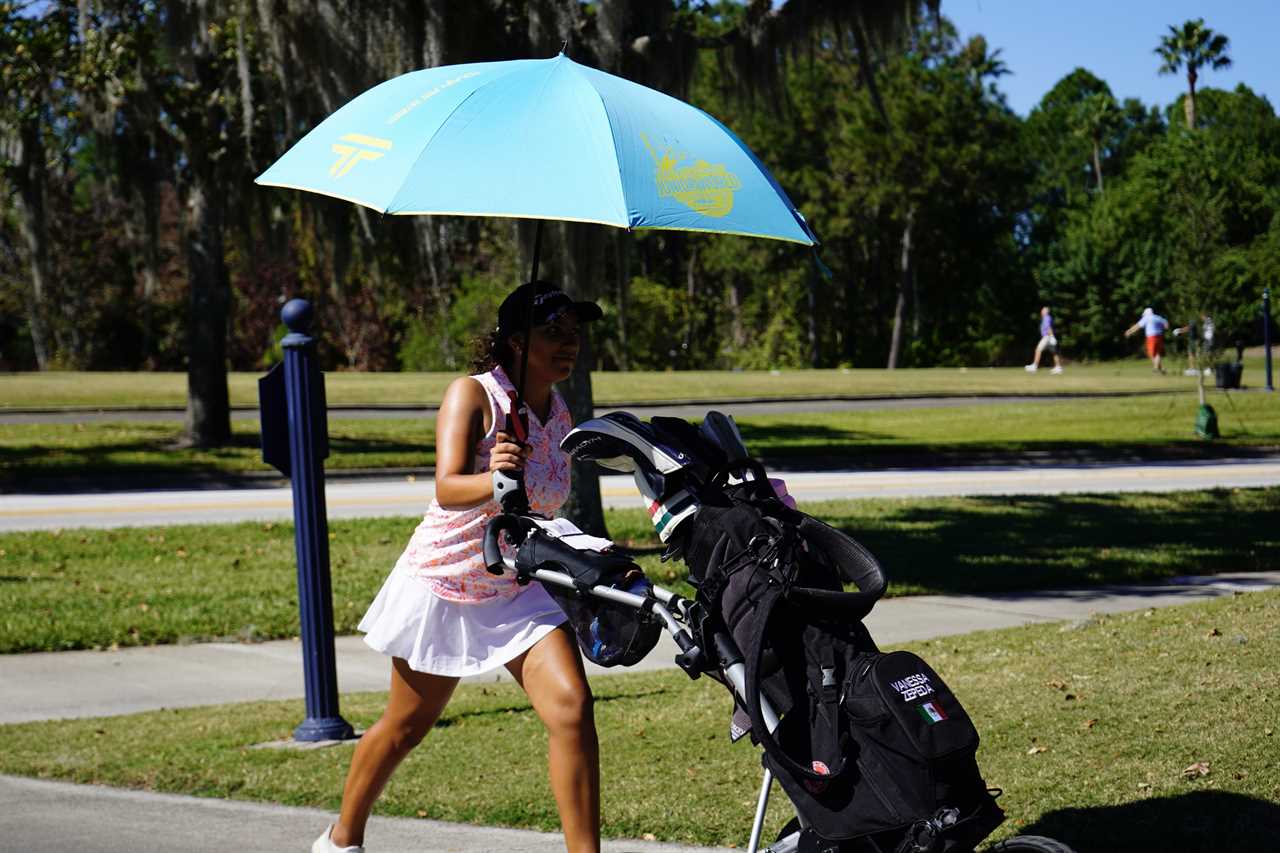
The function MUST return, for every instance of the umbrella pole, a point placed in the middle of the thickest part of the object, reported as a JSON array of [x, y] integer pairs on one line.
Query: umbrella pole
[[508, 489], [528, 321]]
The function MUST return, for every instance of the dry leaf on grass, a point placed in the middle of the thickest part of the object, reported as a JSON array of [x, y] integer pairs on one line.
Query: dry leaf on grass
[[1036, 750], [1213, 632], [1200, 768]]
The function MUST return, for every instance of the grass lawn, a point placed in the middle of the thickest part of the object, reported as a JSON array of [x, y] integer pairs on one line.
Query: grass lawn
[[139, 586], [167, 390], [1116, 427], [1144, 732]]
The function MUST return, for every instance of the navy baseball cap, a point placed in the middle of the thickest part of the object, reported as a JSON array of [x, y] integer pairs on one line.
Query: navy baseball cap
[[549, 302]]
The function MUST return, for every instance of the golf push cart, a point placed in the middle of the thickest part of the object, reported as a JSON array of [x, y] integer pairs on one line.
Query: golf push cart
[[873, 750]]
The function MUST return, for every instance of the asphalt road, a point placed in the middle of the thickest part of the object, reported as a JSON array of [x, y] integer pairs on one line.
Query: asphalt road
[[408, 496]]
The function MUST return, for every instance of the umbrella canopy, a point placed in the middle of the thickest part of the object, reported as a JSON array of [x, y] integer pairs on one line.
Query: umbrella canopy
[[539, 139]]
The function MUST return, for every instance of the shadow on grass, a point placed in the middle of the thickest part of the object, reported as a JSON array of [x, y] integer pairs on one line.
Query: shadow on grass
[[157, 462], [450, 718], [892, 455], [803, 437], [1197, 822], [996, 544]]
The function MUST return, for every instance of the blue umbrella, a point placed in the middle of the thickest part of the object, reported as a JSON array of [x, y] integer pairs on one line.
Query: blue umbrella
[[539, 139]]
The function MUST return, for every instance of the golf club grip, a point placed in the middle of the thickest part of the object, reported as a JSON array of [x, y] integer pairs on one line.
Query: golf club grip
[[492, 547]]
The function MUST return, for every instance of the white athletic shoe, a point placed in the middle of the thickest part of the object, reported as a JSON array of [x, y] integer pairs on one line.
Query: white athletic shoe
[[1056, 370], [1031, 368], [323, 844]]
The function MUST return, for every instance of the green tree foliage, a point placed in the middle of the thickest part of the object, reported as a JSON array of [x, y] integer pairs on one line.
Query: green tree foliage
[[1183, 230], [130, 230]]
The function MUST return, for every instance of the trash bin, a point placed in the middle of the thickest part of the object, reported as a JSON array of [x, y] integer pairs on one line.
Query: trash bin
[[1228, 374]]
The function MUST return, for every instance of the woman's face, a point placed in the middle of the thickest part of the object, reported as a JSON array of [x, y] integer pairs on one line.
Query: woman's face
[[554, 349]]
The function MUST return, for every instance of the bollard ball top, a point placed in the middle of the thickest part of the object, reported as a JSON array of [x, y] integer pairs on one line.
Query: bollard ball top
[[297, 315]]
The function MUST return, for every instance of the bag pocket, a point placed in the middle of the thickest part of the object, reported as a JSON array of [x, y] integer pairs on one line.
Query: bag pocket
[[924, 707]]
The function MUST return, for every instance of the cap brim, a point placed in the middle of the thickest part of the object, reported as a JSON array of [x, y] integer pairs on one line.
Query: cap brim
[[587, 311]]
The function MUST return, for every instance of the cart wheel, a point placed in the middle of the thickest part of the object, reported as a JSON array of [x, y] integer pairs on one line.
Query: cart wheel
[[1029, 844]]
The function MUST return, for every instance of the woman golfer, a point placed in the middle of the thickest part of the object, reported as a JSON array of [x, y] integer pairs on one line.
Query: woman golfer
[[440, 615]]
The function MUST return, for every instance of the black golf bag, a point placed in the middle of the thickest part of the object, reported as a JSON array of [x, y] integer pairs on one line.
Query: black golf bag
[[873, 749]]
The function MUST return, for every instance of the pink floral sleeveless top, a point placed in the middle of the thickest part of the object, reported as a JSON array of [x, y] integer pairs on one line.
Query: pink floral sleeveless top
[[445, 550]]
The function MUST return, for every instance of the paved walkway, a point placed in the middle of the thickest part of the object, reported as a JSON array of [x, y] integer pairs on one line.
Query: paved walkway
[[44, 817], [55, 685], [53, 817]]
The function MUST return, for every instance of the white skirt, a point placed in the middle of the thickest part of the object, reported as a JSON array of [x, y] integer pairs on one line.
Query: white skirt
[[407, 620]]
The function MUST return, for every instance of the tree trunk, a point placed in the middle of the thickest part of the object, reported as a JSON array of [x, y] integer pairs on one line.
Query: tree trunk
[[811, 288], [623, 258], [1097, 164], [208, 418], [1189, 105], [737, 328], [690, 306], [583, 507], [571, 257], [904, 283], [434, 260], [31, 178]]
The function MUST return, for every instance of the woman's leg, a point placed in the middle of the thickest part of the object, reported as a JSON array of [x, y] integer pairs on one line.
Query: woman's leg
[[551, 674], [417, 699]]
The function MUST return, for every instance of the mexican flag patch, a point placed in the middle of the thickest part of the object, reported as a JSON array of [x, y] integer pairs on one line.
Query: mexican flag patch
[[931, 713]]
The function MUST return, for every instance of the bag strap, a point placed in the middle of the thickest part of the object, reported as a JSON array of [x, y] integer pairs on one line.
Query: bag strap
[[753, 656]]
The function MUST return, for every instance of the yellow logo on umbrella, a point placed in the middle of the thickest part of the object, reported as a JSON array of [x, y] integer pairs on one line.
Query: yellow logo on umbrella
[[706, 188], [362, 148]]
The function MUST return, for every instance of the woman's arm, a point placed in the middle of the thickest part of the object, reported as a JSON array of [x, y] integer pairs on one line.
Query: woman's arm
[[460, 425]]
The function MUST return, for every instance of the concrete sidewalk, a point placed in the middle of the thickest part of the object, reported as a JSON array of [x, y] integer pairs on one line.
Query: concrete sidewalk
[[53, 817], [57, 685], [50, 817]]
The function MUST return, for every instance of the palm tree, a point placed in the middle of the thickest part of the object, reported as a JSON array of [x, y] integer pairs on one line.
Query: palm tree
[[1095, 117], [982, 63], [1192, 45]]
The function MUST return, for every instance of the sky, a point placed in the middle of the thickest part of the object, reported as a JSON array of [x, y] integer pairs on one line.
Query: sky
[[1044, 40]]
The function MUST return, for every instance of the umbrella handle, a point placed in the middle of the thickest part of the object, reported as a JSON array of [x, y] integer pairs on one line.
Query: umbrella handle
[[508, 486]]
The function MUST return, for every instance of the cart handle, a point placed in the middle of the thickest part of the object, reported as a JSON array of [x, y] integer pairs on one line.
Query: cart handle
[[492, 549]]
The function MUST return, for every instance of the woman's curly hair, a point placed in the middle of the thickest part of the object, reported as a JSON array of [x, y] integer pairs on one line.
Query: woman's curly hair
[[490, 351]]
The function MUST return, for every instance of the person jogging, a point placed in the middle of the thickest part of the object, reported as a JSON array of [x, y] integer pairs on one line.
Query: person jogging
[[1154, 325]]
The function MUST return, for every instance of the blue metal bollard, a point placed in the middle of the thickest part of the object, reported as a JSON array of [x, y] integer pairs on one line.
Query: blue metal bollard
[[292, 403]]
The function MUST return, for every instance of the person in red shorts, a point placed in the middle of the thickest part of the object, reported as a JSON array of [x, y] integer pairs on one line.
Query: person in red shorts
[[1154, 325]]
